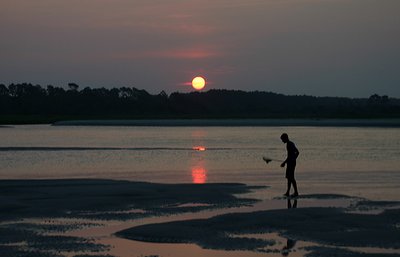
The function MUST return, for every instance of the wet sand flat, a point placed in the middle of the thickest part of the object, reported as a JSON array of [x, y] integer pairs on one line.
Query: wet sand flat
[[93, 217]]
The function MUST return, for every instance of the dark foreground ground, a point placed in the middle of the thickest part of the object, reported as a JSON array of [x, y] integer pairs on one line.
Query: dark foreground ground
[[29, 207]]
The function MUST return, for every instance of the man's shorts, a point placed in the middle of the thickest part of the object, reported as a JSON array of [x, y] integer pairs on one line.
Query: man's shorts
[[290, 167]]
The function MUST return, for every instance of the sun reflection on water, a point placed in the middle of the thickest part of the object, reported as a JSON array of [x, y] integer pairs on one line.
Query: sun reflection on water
[[199, 148], [199, 175], [199, 172]]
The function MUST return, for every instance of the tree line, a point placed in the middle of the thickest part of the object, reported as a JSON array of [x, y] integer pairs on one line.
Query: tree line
[[20, 102]]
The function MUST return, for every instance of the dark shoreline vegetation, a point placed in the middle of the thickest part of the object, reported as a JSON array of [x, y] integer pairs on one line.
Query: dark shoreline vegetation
[[33, 104]]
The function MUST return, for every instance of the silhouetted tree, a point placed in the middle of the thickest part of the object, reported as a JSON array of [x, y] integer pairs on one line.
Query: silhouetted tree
[[376, 99], [73, 86], [3, 90]]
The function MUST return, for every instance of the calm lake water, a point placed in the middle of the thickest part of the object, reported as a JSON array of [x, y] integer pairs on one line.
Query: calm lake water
[[360, 161]]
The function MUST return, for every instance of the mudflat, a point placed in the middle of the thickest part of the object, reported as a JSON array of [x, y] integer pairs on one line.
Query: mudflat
[[74, 217]]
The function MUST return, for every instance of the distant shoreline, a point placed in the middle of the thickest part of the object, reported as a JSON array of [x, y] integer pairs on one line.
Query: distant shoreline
[[33, 104], [236, 122]]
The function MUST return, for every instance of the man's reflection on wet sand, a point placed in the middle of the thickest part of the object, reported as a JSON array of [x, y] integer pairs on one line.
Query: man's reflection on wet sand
[[290, 243]]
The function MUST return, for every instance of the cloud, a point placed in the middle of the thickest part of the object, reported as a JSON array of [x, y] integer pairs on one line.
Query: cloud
[[187, 54], [181, 53]]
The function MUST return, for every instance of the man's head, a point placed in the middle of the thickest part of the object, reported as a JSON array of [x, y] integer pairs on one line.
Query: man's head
[[284, 138]]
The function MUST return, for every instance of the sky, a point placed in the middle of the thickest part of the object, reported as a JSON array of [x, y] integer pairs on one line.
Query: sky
[[345, 48]]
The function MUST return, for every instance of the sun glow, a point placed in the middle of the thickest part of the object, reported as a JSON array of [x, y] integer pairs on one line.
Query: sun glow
[[198, 83]]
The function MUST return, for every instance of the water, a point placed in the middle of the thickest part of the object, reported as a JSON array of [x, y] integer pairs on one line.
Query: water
[[335, 159]]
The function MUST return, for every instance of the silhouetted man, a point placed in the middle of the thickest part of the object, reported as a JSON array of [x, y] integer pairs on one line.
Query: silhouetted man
[[290, 163]]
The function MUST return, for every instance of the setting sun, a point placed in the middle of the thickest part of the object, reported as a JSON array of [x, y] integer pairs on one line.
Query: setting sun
[[198, 83]]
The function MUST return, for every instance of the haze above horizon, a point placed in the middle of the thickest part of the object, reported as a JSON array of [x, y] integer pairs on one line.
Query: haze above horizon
[[324, 48]]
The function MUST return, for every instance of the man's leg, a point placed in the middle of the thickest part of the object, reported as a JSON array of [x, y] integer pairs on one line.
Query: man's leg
[[292, 179], [288, 187], [295, 187]]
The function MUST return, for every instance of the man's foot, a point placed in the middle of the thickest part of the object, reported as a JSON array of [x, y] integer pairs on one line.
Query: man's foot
[[295, 194], [286, 194]]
